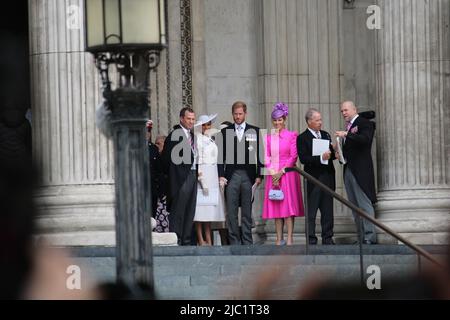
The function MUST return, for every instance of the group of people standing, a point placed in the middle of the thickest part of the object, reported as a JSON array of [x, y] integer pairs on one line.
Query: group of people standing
[[212, 174]]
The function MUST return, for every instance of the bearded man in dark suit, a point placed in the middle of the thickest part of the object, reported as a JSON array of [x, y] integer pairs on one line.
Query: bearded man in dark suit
[[239, 170]]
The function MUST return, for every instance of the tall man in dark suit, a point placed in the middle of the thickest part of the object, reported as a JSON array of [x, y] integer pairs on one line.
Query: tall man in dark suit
[[320, 167], [359, 175], [239, 169], [178, 162]]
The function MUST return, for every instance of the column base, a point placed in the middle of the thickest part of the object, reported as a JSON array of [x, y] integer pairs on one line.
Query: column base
[[422, 216], [76, 215]]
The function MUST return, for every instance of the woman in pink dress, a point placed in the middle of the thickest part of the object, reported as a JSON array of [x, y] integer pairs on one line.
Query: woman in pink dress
[[281, 153]]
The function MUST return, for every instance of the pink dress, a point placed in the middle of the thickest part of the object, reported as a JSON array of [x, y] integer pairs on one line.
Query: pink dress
[[281, 152]]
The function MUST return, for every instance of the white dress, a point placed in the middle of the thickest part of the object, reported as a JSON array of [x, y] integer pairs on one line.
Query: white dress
[[211, 207]]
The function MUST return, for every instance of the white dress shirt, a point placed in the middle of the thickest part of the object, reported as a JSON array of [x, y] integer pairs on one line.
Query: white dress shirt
[[186, 132], [315, 133], [318, 135]]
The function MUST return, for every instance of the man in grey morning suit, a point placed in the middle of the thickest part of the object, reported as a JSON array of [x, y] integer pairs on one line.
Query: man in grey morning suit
[[178, 163], [239, 169], [359, 175]]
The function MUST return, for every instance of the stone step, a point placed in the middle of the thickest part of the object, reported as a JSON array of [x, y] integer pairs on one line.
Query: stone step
[[232, 272], [221, 281], [286, 284], [261, 250], [227, 265]]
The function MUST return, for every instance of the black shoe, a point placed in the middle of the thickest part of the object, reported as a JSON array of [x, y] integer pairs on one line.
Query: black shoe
[[369, 242], [313, 241], [328, 242]]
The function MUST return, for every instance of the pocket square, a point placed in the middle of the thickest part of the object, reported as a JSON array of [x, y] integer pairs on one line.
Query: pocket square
[[354, 130]]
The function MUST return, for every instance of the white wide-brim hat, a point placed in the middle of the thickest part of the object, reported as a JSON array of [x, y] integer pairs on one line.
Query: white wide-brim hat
[[204, 118]]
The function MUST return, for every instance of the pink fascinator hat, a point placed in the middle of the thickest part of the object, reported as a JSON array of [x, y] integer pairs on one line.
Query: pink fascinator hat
[[280, 110]]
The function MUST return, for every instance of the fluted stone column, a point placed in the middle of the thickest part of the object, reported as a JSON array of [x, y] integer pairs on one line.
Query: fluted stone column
[[75, 160], [413, 67], [300, 56]]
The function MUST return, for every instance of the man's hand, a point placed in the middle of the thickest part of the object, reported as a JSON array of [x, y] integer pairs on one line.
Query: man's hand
[[258, 181], [336, 154], [222, 182], [341, 134], [326, 155]]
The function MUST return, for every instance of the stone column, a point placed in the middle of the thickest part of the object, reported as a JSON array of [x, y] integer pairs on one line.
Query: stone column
[[300, 56], [172, 82], [413, 136], [76, 198], [199, 95]]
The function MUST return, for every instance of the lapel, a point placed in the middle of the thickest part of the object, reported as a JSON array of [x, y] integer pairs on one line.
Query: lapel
[[325, 136], [310, 134], [179, 127], [245, 137], [232, 127], [184, 140], [247, 127], [355, 123]]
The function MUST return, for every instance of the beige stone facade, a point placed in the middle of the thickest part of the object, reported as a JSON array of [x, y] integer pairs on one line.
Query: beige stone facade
[[303, 52]]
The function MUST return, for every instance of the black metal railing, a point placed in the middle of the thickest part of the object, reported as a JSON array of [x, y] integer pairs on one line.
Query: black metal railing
[[362, 215]]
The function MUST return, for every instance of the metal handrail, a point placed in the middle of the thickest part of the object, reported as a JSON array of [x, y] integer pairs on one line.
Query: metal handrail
[[364, 215]]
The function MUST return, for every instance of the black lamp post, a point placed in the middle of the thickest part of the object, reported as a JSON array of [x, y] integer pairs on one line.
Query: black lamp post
[[130, 35]]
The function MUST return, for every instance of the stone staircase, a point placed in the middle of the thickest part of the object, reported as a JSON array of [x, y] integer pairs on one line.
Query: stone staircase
[[255, 272], [344, 232]]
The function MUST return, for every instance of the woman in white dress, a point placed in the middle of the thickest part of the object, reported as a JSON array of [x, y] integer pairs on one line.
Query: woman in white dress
[[210, 203]]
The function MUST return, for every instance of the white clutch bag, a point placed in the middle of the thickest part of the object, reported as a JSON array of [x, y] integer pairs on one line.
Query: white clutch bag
[[212, 199], [276, 195]]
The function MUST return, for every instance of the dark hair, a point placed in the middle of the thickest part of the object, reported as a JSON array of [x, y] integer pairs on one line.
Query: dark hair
[[239, 104], [184, 110]]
